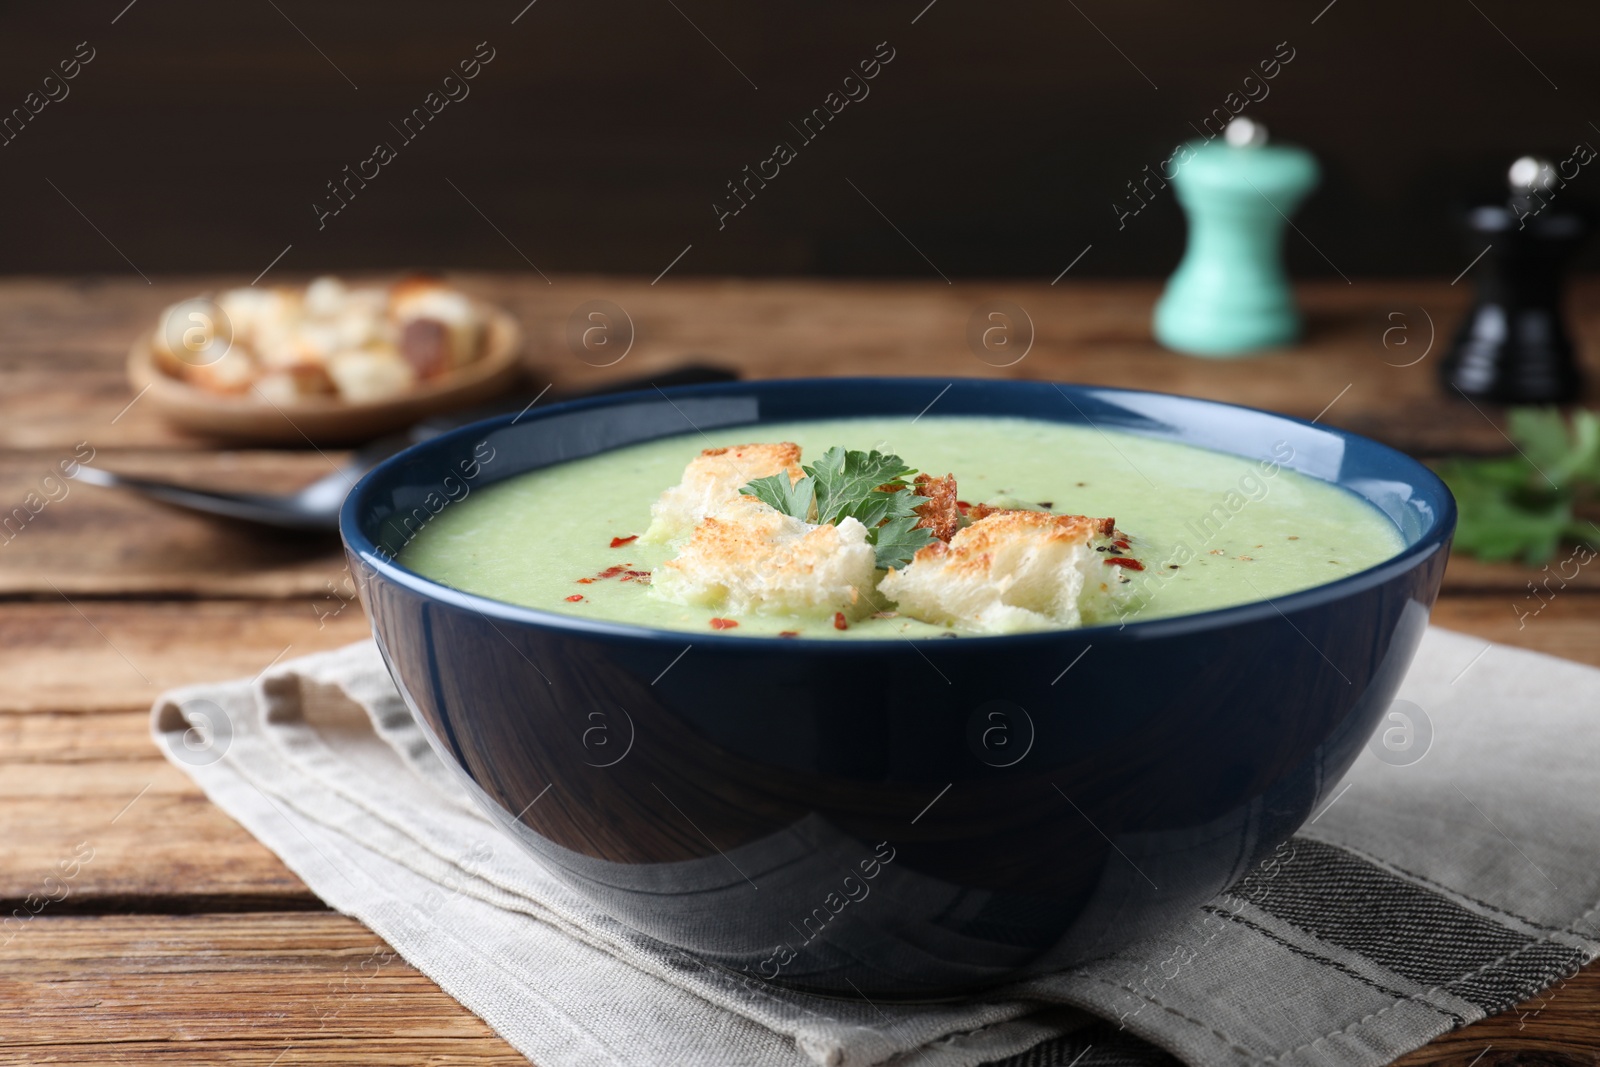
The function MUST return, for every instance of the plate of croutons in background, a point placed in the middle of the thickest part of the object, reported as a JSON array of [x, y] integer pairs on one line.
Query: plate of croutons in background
[[330, 363]]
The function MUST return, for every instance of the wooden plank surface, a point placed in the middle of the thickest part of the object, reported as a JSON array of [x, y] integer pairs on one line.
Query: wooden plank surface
[[184, 939], [97, 655], [62, 348], [62, 389], [263, 989], [255, 989]]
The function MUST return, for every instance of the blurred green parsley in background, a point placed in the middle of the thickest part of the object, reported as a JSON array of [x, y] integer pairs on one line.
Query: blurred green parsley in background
[[1524, 505]]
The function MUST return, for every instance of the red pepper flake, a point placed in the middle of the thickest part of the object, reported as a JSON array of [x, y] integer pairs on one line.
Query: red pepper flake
[[788, 633], [1121, 542], [575, 597], [612, 572], [839, 622], [724, 624], [618, 542], [962, 506], [1124, 561], [585, 581]]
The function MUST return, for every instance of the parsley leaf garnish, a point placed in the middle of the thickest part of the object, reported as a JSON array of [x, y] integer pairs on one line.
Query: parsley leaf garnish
[[898, 540], [794, 500], [1521, 506], [869, 487], [847, 484]]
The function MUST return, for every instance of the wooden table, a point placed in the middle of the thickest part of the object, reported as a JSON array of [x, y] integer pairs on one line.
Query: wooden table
[[184, 940]]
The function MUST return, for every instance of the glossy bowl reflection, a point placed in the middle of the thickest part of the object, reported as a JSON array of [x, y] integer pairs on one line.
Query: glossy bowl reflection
[[895, 817]]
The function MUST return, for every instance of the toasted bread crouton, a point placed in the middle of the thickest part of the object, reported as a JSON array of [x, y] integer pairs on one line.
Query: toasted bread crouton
[[939, 516], [290, 385], [750, 557], [1008, 571], [370, 374], [440, 328], [714, 478], [233, 373]]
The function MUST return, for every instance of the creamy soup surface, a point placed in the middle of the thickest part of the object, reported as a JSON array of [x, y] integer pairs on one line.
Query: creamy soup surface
[[1209, 530]]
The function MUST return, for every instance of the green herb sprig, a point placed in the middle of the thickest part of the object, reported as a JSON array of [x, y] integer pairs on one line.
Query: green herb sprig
[[869, 487], [1522, 506]]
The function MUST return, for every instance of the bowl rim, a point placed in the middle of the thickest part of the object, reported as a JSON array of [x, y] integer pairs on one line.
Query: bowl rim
[[1435, 538]]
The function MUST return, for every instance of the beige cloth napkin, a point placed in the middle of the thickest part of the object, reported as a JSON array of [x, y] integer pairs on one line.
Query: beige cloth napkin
[[1453, 874]]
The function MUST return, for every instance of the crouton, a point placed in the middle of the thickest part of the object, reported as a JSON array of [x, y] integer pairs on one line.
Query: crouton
[[440, 329], [939, 516], [1008, 571], [293, 384], [324, 297], [712, 479], [370, 374], [750, 557], [232, 373], [255, 312]]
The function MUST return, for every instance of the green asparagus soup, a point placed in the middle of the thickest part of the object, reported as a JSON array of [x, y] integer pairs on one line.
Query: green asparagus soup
[[1203, 530]]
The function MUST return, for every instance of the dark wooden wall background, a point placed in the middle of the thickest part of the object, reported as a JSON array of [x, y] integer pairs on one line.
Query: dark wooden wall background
[[598, 138]]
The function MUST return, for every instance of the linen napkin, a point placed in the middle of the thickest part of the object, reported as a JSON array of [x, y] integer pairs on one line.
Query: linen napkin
[[1454, 873]]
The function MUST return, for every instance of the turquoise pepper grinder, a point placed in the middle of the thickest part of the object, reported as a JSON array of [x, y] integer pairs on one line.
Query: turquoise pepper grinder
[[1230, 294]]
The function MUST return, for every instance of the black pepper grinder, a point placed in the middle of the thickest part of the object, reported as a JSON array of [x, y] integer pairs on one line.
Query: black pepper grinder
[[1513, 347]]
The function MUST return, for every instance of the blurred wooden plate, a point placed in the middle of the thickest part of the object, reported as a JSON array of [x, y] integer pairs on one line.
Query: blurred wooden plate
[[250, 417]]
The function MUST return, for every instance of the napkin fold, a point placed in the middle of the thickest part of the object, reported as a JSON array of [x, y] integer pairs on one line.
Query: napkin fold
[[1453, 874]]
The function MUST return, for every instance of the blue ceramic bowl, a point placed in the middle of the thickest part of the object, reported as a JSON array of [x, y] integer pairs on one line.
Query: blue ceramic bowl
[[896, 817]]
